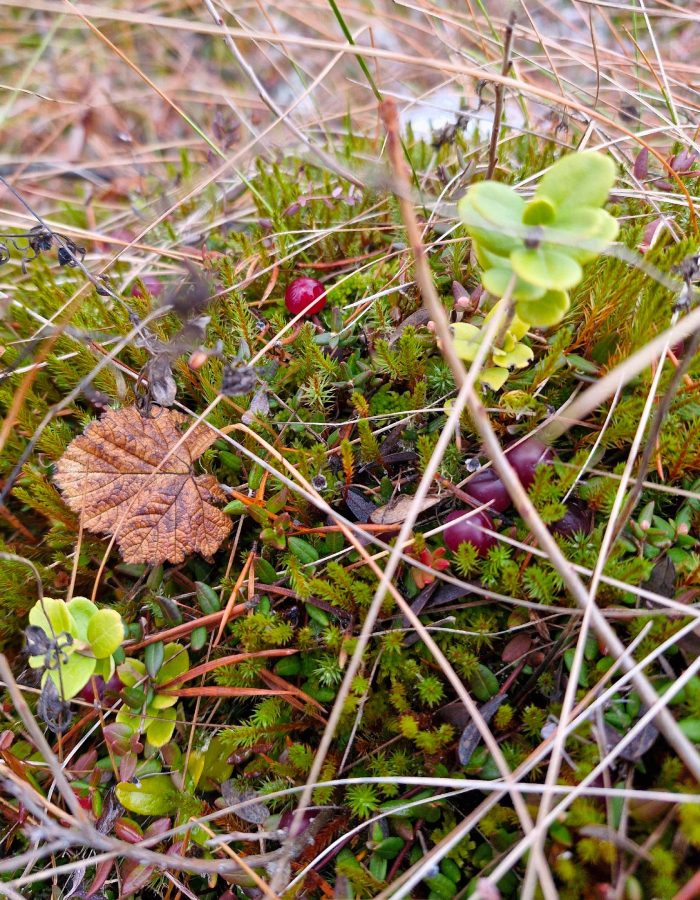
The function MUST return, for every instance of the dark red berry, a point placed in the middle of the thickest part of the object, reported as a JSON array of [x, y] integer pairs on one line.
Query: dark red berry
[[577, 518], [469, 530], [485, 486], [305, 295], [286, 819], [527, 456]]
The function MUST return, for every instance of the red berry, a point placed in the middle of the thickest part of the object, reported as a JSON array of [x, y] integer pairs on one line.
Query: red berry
[[527, 456], [469, 530], [302, 296], [485, 486]]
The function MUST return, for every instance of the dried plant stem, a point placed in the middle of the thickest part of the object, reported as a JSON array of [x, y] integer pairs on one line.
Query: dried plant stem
[[500, 91], [599, 392], [655, 429], [574, 673], [664, 720], [283, 117], [40, 742]]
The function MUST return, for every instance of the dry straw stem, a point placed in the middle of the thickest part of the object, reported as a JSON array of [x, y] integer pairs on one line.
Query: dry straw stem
[[442, 65], [574, 673], [385, 584], [664, 720]]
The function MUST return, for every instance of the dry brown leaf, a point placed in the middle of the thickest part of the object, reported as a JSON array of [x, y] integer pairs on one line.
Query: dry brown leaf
[[397, 509], [110, 476]]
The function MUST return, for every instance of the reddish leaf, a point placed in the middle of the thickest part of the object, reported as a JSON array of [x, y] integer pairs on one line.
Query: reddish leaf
[[641, 164], [134, 877], [516, 648], [101, 874]]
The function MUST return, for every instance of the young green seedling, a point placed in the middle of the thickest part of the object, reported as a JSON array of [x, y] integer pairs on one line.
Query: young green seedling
[[539, 246]]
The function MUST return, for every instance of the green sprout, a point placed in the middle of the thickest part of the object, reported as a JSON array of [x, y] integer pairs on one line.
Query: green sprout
[[72, 642], [535, 249], [149, 711]]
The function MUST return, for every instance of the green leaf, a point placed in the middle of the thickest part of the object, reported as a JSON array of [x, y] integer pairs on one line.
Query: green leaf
[[303, 550], [72, 676], [539, 211], [155, 796], [483, 683], [82, 610], [53, 617], [105, 668], [153, 657], [691, 729], [547, 268], [519, 357], [481, 227], [175, 662], [265, 571], [497, 203], [496, 282], [198, 638], [105, 632], [207, 598], [583, 233], [579, 179], [494, 378], [159, 730], [131, 672], [547, 311]]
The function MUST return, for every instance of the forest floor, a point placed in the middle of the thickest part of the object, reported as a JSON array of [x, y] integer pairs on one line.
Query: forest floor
[[249, 376]]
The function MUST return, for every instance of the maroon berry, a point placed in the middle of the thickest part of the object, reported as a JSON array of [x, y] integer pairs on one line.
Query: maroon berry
[[305, 295], [485, 486], [307, 818], [469, 530], [527, 456], [577, 518]]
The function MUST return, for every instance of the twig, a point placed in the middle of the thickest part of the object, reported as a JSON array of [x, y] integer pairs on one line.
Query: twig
[[40, 742], [500, 91], [654, 430]]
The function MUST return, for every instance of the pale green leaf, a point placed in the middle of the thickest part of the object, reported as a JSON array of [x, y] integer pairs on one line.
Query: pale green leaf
[[578, 179], [547, 311], [547, 268], [496, 282], [539, 211], [105, 632], [53, 617], [494, 378], [71, 676], [517, 358], [159, 730], [154, 796], [82, 610]]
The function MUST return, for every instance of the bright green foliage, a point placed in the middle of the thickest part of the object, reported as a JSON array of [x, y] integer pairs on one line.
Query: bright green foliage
[[155, 717], [82, 640], [533, 250]]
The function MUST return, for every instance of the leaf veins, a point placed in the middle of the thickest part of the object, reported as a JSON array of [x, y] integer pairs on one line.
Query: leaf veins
[[117, 476]]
